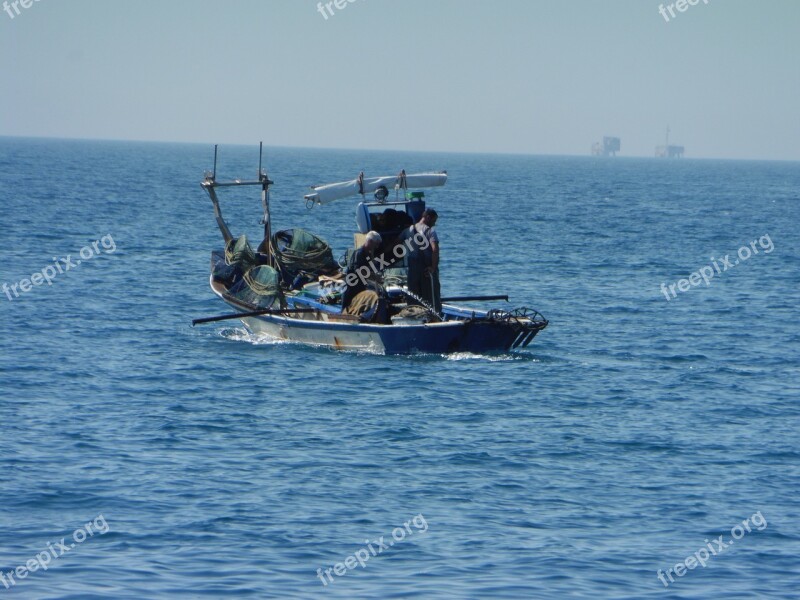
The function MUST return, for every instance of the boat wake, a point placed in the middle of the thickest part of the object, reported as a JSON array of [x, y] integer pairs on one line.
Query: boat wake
[[510, 357], [240, 334]]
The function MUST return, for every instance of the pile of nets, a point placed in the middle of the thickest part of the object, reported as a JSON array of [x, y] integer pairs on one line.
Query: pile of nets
[[300, 252], [239, 252], [300, 257], [256, 285], [260, 287], [418, 314]]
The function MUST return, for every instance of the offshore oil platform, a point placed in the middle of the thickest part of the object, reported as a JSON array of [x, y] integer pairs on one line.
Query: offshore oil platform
[[609, 147], [669, 151]]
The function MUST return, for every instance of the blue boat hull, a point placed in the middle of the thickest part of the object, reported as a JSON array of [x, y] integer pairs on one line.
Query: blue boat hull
[[463, 331]]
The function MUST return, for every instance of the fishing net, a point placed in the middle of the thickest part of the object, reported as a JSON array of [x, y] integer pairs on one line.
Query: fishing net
[[418, 314], [260, 287], [238, 252], [299, 251]]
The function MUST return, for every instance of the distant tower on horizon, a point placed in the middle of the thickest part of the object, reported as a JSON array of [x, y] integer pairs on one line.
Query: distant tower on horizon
[[609, 147], [667, 151]]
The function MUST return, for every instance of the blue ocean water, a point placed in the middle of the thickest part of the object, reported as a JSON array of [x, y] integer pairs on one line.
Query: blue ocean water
[[632, 433]]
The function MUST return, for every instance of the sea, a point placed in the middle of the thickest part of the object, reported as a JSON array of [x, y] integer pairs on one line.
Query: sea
[[645, 445]]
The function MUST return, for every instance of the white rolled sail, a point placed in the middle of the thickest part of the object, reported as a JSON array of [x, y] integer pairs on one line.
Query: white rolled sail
[[323, 194]]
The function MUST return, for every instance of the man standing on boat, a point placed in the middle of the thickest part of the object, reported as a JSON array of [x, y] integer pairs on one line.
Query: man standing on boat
[[362, 257], [423, 262]]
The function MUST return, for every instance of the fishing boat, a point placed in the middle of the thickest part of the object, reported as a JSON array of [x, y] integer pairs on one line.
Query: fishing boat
[[290, 287]]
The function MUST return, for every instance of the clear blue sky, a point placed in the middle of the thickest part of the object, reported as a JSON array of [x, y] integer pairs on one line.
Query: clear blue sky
[[527, 76]]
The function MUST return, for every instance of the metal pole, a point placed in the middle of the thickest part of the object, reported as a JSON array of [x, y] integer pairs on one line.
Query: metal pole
[[214, 176], [223, 227], [433, 292], [265, 182], [267, 219]]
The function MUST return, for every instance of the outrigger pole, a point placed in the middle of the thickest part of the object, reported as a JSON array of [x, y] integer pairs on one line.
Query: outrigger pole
[[473, 298], [210, 185], [255, 313]]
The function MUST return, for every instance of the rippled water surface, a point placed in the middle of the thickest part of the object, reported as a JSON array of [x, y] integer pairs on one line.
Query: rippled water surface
[[630, 432]]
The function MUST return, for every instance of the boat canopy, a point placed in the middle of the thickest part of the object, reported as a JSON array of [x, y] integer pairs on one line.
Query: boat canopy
[[323, 194]]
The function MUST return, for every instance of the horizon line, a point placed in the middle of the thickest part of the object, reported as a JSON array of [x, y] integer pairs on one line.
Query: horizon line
[[353, 149]]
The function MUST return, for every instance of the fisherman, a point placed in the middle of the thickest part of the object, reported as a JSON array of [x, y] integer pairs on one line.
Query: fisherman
[[361, 259], [423, 260]]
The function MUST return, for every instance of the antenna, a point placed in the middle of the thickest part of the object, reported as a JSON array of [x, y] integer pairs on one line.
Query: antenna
[[260, 154]]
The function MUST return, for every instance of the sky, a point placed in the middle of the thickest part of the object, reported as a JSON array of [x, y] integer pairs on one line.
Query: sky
[[500, 76]]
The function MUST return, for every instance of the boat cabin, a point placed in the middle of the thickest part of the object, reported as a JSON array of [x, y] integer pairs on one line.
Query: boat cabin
[[391, 219]]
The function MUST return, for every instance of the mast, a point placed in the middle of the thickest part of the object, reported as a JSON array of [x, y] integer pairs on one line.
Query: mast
[[266, 220]]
